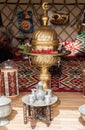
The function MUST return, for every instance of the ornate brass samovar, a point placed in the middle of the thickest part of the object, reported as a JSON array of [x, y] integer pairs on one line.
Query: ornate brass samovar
[[44, 48], [44, 38]]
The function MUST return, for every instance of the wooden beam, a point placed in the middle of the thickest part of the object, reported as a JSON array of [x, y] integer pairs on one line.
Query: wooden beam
[[12, 3]]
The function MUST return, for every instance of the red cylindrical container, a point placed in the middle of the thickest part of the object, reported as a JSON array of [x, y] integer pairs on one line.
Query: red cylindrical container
[[9, 78]]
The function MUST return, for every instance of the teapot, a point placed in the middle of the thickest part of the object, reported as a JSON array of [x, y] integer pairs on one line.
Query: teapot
[[40, 94]]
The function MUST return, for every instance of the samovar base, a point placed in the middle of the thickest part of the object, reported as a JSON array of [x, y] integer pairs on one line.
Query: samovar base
[[45, 76]]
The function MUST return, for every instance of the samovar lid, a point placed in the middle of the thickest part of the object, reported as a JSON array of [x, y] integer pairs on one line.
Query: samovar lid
[[45, 35]]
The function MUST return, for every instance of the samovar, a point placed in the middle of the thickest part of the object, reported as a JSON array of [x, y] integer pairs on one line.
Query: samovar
[[44, 48], [44, 42]]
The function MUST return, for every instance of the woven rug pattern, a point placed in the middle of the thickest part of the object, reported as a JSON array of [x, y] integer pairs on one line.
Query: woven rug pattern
[[71, 78]]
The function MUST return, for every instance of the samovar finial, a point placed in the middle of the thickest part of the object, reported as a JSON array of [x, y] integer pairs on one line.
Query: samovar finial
[[45, 17]]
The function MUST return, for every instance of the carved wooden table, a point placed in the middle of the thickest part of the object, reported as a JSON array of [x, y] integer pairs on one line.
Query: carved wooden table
[[38, 111]]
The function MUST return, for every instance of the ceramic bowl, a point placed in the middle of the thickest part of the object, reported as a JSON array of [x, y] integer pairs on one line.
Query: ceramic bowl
[[5, 110], [82, 111]]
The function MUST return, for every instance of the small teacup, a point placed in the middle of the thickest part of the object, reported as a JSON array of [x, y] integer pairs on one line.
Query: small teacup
[[47, 99], [31, 99], [49, 92]]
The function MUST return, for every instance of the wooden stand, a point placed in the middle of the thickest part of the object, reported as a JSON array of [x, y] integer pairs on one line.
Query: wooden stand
[[34, 112]]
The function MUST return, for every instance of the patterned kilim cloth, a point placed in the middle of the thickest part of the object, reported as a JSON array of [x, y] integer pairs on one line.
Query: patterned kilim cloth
[[71, 79]]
